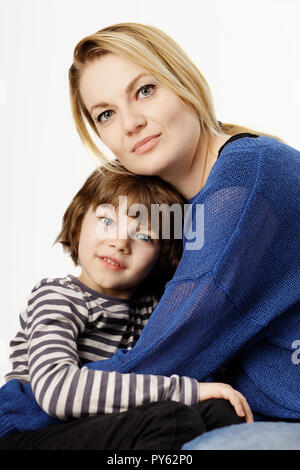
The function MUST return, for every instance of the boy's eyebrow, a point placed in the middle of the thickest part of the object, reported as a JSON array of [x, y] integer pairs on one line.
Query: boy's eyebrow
[[127, 90]]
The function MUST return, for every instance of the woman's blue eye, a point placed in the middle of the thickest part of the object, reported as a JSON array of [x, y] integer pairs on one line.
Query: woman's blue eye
[[105, 116], [144, 90]]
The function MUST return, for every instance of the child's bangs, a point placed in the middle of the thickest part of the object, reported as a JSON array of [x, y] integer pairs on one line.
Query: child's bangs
[[125, 190]]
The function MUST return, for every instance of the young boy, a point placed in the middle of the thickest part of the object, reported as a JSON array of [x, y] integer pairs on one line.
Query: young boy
[[70, 322]]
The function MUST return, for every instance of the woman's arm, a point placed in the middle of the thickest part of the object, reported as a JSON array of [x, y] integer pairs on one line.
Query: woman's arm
[[196, 328], [243, 278], [65, 390]]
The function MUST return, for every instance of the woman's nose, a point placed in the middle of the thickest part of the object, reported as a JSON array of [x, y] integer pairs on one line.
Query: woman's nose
[[133, 122]]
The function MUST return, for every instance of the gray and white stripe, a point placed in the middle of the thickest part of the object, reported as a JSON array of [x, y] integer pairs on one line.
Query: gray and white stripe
[[66, 326]]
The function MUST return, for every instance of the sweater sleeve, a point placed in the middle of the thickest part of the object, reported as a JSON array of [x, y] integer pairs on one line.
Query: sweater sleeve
[[65, 390], [196, 328], [227, 292]]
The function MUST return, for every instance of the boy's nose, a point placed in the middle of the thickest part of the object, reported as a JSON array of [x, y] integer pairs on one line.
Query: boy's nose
[[121, 244]]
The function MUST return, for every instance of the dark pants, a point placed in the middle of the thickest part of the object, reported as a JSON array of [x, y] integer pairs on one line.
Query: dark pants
[[162, 425]]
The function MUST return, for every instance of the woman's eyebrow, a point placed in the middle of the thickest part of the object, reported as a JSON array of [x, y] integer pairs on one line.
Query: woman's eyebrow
[[127, 90]]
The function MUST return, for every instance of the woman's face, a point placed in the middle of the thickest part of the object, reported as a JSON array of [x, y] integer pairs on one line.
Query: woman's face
[[147, 127]]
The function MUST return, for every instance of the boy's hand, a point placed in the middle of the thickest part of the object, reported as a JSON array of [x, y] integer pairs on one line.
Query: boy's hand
[[219, 390]]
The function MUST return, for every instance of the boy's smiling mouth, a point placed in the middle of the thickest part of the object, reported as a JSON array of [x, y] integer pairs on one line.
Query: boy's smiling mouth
[[111, 263]]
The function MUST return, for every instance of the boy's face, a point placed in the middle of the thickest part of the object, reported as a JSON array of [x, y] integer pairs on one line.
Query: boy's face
[[115, 256]]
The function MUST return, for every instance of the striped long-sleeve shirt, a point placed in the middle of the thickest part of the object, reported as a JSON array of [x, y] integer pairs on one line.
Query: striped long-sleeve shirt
[[67, 325]]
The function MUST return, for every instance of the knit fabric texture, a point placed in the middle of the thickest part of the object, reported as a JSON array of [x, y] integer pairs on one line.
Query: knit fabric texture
[[237, 295], [67, 325]]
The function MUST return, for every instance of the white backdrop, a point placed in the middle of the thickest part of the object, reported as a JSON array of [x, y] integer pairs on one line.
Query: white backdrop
[[248, 50]]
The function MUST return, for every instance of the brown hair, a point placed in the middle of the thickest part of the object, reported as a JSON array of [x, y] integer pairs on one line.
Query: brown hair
[[104, 186]]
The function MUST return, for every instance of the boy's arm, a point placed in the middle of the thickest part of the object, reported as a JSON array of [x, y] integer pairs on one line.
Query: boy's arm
[[65, 390]]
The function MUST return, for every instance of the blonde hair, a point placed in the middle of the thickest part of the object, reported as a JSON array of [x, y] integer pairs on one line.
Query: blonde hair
[[158, 54]]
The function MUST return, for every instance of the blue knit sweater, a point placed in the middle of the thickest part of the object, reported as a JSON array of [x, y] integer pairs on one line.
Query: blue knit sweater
[[237, 296]]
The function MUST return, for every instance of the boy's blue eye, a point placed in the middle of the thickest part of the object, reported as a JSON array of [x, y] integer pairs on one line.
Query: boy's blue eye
[[107, 220], [144, 237]]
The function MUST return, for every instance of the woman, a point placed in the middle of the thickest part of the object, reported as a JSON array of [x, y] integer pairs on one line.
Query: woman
[[237, 296], [232, 304]]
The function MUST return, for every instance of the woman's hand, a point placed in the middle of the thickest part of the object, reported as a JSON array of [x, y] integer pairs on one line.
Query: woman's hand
[[219, 390]]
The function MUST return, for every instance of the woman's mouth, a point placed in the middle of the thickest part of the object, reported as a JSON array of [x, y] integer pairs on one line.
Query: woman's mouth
[[146, 144]]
